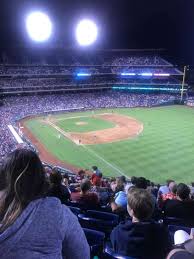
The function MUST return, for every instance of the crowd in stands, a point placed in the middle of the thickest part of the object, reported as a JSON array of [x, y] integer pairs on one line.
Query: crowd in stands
[[15, 86], [82, 59], [44, 214], [17, 107], [190, 101], [29, 71]]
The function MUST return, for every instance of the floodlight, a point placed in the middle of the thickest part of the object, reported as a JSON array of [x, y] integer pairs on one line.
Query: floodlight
[[86, 32], [128, 74], [146, 74], [39, 26]]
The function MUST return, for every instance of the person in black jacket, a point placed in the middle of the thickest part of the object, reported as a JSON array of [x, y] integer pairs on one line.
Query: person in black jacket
[[182, 207], [141, 237], [57, 189]]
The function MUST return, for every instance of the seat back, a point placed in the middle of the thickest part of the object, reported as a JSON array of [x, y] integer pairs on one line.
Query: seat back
[[75, 210], [105, 226], [173, 221], [95, 240], [106, 216]]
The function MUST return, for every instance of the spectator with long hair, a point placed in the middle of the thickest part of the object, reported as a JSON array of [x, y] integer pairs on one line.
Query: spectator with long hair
[[31, 224]]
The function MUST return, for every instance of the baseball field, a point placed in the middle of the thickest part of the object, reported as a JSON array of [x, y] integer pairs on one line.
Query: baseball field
[[157, 143]]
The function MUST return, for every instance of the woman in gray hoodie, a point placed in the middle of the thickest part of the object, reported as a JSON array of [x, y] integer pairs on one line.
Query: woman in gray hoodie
[[33, 226]]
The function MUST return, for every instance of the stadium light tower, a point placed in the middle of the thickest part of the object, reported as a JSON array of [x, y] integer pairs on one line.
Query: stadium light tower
[[39, 26], [86, 32]]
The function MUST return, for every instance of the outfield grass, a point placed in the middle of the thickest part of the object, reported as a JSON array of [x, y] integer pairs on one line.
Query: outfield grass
[[165, 148]]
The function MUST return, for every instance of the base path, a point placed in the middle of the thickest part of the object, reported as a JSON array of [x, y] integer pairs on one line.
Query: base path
[[125, 128]]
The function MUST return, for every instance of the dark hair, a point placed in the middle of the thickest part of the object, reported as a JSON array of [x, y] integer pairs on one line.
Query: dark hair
[[55, 178], [25, 182], [174, 189], [141, 183], [123, 179], [183, 191], [133, 180], [85, 185], [168, 182], [2, 178], [141, 202], [80, 172], [192, 184]]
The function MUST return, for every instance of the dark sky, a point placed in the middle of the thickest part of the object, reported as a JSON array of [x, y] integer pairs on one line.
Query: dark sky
[[165, 24]]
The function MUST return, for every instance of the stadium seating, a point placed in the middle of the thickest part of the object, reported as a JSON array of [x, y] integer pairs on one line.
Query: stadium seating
[[95, 240], [110, 254], [173, 221], [100, 221], [75, 210]]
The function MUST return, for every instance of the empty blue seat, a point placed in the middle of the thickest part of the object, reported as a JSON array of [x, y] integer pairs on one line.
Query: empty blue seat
[[103, 215], [100, 221], [95, 240], [173, 228], [75, 210]]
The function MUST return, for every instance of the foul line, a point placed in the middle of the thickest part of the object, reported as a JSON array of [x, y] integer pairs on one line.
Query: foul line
[[119, 172], [106, 162]]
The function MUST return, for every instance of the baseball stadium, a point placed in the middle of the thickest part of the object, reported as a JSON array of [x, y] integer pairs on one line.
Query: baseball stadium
[[96, 131], [127, 120]]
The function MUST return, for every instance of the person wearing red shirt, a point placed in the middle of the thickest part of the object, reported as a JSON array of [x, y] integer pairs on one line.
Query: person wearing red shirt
[[86, 199]]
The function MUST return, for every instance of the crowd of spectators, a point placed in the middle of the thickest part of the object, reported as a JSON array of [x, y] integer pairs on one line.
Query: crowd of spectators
[[28, 71], [37, 203], [15, 86], [17, 107]]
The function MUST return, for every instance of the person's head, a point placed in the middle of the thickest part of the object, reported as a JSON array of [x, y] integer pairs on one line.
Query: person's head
[[174, 189], [85, 186], [123, 179], [94, 168], [171, 186], [55, 178], [25, 181], [81, 173], [133, 180], [192, 184], [141, 183], [183, 191], [168, 182], [140, 204]]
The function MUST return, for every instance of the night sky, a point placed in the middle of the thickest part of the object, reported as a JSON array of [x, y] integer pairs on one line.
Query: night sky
[[136, 24]]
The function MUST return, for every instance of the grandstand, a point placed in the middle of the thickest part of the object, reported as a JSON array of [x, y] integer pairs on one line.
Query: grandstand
[[74, 71]]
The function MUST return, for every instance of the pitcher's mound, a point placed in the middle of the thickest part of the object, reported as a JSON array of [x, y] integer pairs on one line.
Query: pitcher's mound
[[80, 123]]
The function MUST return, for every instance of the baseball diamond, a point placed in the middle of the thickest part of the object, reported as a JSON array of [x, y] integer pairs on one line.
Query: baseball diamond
[[152, 142]]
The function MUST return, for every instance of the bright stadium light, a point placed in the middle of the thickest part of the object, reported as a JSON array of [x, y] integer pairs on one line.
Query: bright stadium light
[[161, 74], [83, 74], [86, 32], [146, 74], [128, 74], [39, 26]]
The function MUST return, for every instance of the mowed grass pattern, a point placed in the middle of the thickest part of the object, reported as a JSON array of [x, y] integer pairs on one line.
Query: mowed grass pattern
[[165, 148], [89, 124]]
